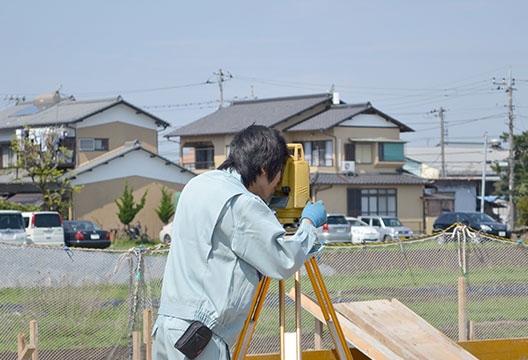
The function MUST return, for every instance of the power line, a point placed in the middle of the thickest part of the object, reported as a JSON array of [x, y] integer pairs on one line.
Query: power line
[[167, 106], [142, 90]]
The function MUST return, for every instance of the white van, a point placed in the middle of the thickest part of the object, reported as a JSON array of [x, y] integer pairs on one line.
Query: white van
[[44, 227], [12, 227]]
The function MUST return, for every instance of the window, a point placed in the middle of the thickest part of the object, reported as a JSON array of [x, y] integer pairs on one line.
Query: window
[[11, 221], [390, 152], [8, 156], [47, 220], [364, 153], [372, 202], [318, 153], [101, 144], [336, 219], [86, 144], [90, 144], [204, 157], [361, 153]]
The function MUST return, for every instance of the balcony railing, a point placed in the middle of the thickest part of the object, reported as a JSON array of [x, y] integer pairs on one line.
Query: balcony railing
[[199, 165]]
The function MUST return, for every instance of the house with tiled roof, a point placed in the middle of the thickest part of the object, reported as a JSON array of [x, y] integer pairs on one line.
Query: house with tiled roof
[[112, 141], [354, 151]]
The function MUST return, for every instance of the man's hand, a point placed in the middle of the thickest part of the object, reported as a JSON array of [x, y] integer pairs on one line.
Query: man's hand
[[315, 213]]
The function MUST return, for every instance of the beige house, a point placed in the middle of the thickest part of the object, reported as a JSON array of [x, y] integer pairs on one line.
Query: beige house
[[354, 151], [103, 180], [111, 139]]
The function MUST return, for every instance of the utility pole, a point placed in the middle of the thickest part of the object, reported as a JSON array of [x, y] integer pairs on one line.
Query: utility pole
[[483, 190], [222, 76], [442, 136], [509, 89]]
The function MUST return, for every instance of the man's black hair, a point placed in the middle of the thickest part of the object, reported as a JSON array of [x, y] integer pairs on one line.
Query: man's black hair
[[254, 148]]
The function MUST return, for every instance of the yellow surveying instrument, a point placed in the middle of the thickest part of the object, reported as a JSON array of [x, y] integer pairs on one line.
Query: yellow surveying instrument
[[291, 195], [293, 191]]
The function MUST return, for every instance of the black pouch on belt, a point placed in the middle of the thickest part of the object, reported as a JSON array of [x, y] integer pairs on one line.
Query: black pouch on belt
[[194, 339]]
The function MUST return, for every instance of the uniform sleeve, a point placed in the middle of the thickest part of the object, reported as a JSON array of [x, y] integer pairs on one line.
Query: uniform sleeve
[[261, 241]]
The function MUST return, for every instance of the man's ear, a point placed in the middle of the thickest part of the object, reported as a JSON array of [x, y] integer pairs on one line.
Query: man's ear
[[263, 171]]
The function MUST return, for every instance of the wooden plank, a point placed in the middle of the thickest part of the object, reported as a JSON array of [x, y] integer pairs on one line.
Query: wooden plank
[[24, 351], [400, 329], [446, 341], [311, 355], [499, 349], [136, 345], [354, 335], [147, 333], [383, 325]]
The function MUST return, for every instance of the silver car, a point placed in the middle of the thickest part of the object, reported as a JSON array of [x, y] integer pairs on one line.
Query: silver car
[[361, 232], [390, 228], [336, 229], [12, 227]]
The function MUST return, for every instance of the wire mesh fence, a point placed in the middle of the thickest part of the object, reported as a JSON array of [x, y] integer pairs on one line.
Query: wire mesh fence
[[88, 302]]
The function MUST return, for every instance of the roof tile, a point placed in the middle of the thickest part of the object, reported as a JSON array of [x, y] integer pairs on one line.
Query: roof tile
[[241, 114]]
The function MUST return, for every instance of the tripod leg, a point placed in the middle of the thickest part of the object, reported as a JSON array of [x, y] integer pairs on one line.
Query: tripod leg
[[244, 339], [329, 314]]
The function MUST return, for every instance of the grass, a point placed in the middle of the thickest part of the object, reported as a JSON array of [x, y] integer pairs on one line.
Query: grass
[[412, 245], [124, 243], [413, 278], [69, 317]]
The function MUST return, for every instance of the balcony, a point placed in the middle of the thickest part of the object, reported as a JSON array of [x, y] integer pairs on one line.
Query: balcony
[[199, 165]]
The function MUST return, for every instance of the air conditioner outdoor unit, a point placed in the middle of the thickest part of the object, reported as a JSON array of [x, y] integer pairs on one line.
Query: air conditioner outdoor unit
[[348, 166]]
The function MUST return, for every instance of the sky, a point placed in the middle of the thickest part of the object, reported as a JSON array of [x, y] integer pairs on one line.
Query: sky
[[407, 58]]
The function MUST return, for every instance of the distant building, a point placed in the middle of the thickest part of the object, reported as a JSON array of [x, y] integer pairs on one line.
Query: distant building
[[462, 182], [354, 151], [111, 140]]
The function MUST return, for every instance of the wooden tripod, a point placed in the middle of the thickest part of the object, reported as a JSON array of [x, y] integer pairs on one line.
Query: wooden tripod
[[325, 304]]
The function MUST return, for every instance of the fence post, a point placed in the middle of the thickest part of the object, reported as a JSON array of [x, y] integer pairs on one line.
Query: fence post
[[136, 345], [462, 316], [471, 330], [147, 331], [21, 345], [26, 351], [33, 338]]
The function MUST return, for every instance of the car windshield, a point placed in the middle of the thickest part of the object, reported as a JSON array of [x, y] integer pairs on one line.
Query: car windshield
[[356, 222], [392, 222], [11, 221], [83, 226], [333, 220], [480, 218]]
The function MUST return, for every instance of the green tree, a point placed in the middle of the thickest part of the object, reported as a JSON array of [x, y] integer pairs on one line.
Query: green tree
[[166, 207], [522, 207], [520, 162], [40, 156], [128, 209], [7, 205]]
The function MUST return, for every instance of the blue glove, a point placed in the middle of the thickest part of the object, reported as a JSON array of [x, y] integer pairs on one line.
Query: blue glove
[[316, 213]]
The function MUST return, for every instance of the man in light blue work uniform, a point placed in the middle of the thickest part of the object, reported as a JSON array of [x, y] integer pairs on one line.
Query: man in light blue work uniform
[[224, 238]]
